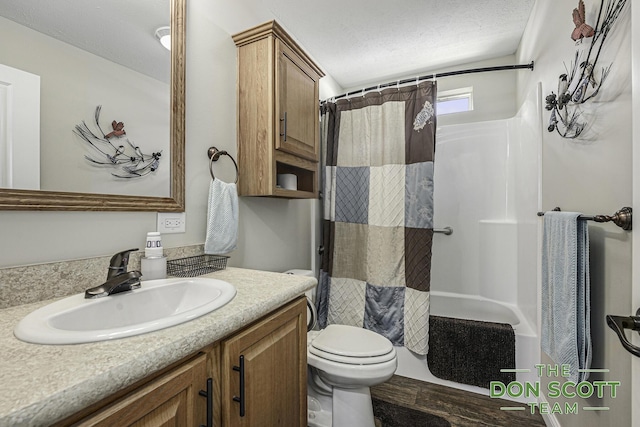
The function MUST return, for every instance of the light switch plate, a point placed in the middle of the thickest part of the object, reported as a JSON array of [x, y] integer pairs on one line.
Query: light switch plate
[[172, 222]]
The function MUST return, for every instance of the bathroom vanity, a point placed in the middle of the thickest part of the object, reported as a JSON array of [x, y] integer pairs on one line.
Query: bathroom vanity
[[249, 355]]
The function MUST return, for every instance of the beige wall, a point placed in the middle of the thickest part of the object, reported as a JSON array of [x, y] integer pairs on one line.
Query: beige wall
[[274, 234], [591, 175]]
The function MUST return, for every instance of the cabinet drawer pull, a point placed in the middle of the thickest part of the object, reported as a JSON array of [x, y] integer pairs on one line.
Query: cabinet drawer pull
[[209, 395], [284, 126], [240, 369]]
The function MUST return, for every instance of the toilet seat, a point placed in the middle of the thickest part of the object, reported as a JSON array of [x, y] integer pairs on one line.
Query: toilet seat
[[351, 345], [353, 360], [352, 375]]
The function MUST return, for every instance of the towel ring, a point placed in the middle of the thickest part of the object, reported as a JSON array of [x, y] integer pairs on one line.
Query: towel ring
[[214, 154]]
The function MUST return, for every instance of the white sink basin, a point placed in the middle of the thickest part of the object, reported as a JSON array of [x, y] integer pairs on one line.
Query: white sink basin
[[156, 305]]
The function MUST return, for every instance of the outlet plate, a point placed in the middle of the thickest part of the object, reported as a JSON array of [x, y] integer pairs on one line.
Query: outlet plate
[[172, 222]]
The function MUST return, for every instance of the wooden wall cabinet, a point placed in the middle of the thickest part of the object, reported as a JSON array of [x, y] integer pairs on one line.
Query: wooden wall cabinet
[[277, 117], [274, 350]]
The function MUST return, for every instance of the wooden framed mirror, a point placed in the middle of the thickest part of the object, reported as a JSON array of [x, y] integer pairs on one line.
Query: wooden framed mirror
[[18, 199]]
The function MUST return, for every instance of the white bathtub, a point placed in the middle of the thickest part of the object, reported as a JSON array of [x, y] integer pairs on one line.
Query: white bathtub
[[459, 306]]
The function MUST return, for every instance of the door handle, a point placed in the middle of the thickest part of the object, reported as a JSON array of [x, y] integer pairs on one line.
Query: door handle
[[241, 399], [284, 126], [619, 324], [209, 395]]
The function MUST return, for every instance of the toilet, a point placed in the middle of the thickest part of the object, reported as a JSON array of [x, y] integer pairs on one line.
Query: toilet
[[343, 362]]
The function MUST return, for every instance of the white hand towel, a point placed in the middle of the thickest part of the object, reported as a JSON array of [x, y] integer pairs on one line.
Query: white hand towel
[[222, 221]]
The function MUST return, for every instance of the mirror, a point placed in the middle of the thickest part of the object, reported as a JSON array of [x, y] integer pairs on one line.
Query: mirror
[[172, 199]]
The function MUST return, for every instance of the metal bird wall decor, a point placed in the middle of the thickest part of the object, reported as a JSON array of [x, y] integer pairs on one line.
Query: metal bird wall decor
[[128, 160], [582, 80]]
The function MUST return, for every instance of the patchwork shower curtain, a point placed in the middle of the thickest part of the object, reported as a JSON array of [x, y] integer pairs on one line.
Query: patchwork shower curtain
[[378, 153]]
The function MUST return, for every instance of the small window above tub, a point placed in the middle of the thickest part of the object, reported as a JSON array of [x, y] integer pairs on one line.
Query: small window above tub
[[454, 101]]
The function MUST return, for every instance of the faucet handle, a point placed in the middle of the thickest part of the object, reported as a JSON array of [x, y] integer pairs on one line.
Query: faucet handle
[[119, 262]]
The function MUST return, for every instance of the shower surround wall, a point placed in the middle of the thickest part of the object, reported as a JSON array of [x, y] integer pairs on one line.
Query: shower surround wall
[[486, 187]]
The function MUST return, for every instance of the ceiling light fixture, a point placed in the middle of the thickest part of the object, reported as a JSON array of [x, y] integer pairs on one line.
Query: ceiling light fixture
[[163, 34]]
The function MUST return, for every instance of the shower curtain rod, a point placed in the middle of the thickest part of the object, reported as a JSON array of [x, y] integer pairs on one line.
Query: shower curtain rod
[[434, 75]]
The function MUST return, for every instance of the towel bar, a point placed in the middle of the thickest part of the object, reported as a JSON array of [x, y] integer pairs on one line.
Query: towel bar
[[214, 154], [622, 218]]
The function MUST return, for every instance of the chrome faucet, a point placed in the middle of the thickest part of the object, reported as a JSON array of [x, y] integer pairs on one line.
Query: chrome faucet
[[118, 279], [118, 263]]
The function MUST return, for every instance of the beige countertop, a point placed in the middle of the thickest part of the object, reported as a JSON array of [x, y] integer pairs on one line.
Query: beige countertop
[[41, 384]]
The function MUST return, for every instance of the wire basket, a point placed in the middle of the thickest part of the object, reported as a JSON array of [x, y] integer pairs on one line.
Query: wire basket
[[196, 265]]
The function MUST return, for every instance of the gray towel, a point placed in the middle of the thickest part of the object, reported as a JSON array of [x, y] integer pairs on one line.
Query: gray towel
[[566, 330]]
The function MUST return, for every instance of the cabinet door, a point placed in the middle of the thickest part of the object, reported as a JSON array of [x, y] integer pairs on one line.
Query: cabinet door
[[169, 400], [275, 371], [296, 105]]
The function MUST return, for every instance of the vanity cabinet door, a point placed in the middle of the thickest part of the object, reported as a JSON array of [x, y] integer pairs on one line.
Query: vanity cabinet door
[[268, 359], [171, 399]]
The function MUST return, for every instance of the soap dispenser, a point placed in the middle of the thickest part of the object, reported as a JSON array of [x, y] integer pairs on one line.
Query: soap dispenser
[[154, 264]]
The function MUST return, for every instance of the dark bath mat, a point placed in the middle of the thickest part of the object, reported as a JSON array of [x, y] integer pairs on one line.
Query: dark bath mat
[[471, 352], [391, 415]]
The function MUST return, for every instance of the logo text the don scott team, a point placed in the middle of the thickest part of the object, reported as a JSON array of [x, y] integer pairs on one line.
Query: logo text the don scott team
[[554, 389]]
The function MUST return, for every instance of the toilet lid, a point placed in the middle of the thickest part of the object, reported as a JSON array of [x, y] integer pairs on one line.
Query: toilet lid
[[349, 341], [350, 360]]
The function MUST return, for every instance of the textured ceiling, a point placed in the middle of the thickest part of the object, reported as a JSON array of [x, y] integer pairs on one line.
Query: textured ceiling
[[357, 42], [365, 41], [119, 30]]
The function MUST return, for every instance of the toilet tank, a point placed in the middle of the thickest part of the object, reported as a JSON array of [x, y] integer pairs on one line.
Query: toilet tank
[[311, 293], [311, 297]]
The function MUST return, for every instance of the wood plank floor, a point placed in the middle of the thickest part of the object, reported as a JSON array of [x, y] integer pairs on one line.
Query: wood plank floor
[[460, 408]]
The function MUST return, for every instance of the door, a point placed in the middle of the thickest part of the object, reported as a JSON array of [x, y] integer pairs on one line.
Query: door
[[172, 399], [264, 372], [297, 101], [19, 129]]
